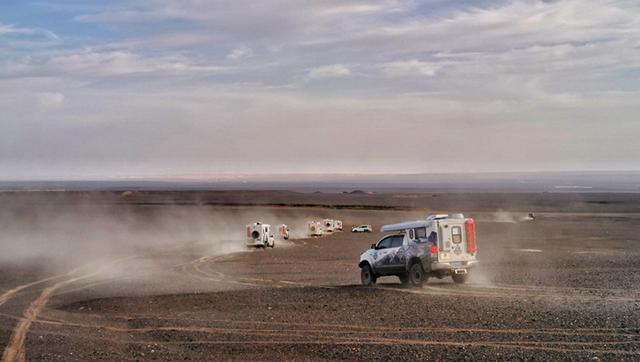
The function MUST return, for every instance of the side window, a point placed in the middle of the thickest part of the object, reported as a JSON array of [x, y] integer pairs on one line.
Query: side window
[[397, 241], [456, 234], [385, 243], [421, 233]]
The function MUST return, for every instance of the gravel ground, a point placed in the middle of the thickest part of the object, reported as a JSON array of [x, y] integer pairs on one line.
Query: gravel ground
[[563, 287]]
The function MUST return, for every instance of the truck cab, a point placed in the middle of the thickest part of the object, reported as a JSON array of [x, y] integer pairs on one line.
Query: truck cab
[[439, 246]]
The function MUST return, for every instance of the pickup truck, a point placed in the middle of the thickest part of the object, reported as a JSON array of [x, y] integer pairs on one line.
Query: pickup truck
[[439, 246]]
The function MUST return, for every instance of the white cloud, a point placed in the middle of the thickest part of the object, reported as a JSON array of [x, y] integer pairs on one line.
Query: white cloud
[[410, 67], [89, 64], [50, 99], [329, 71], [240, 52], [15, 39], [36, 32]]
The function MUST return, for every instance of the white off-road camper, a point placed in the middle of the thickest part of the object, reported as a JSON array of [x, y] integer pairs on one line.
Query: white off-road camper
[[314, 228], [259, 235], [439, 246], [329, 225], [283, 231]]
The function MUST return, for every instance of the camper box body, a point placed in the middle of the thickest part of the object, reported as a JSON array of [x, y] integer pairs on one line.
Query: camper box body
[[259, 235], [283, 231], [314, 228], [329, 225]]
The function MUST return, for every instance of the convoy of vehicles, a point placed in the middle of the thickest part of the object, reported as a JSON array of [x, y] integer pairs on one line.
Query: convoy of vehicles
[[259, 234], [439, 246], [362, 229]]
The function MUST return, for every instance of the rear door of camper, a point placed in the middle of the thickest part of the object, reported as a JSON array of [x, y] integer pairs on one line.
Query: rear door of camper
[[452, 241]]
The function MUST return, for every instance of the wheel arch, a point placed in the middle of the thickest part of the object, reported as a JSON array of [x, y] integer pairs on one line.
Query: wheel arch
[[412, 260]]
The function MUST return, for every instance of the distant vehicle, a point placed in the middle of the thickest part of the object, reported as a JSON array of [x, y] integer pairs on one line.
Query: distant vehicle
[[362, 229], [338, 225], [439, 246], [283, 231], [314, 228], [329, 225], [530, 217], [259, 235]]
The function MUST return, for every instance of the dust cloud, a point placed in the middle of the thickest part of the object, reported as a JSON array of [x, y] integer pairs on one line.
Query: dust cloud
[[57, 236]]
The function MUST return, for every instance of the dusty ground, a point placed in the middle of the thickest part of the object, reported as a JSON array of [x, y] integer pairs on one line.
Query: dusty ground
[[566, 286]]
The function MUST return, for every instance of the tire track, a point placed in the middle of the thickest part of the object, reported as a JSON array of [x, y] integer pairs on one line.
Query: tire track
[[495, 292], [337, 337], [342, 328], [9, 294], [15, 349]]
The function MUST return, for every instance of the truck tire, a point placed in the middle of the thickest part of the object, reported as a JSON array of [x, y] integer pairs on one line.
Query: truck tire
[[404, 279], [460, 278], [366, 275], [417, 275]]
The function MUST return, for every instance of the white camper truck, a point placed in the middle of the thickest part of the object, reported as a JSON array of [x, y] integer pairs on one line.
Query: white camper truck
[[314, 228], [329, 225], [259, 235], [439, 246], [283, 231]]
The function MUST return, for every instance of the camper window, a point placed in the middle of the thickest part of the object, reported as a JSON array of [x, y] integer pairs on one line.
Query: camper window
[[420, 233], [456, 235]]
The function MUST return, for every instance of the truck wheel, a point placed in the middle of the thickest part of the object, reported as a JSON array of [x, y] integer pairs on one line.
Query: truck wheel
[[404, 279], [366, 275], [416, 275], [460, 278]]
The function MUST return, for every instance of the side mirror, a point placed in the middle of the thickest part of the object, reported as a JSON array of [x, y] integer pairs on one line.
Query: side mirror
[[373, 246]]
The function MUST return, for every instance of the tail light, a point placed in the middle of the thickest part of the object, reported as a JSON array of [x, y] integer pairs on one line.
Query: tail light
[[248, 232], [470, 226], [433, 250]]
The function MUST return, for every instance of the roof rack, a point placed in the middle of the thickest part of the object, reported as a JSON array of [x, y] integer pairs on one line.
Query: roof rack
[[418, 223]]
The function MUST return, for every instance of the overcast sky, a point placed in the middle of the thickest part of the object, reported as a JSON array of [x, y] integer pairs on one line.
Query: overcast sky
[[92, 89]]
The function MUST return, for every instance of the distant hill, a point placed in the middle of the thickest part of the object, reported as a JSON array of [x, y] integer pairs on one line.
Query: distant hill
[[565, 182]]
